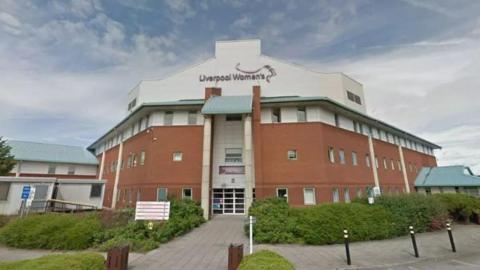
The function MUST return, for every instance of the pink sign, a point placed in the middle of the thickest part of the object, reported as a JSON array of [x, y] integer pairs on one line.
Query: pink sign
[[232, 170]]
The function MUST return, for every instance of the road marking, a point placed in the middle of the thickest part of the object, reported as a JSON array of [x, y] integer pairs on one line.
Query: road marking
[[465, 263]]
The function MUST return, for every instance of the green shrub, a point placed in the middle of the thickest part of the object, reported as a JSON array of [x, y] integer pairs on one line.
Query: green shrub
[[51, 231], [276, 222], [424, 213], [324, 224], [461, 207], [265, 260], [79, 261]]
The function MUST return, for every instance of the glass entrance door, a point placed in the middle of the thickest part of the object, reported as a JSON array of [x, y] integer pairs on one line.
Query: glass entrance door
[[228, 201]]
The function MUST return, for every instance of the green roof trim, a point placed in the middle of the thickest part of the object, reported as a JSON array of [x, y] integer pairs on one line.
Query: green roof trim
[[55, 153], [290, 99], [447, 176], [228, 105]]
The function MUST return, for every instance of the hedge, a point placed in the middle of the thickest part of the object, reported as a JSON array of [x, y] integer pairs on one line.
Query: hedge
[[79, 261], [51, 231], [265, 260], [461, 207], [390, 216]]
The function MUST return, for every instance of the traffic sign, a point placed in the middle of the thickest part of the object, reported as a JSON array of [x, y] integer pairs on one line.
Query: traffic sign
[[26, 192]]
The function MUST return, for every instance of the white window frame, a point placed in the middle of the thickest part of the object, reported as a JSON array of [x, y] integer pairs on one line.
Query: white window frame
[[277, 116], [71, 170], [192, 117], [335, 195], [168, 121], [331, 154], [341, 156], [346, 195], [166, 194], [142, 158], [301, 112], [191, 193], [354, 158], [314, 196], [367, 160], [233, 159]]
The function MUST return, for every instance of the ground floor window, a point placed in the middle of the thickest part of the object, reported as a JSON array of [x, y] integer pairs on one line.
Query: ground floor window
[[162, 194], [187, 193], [282, 193], [4, 188], [335, 195], [228, 201], [309, 196], [359, 192], [346, 195]]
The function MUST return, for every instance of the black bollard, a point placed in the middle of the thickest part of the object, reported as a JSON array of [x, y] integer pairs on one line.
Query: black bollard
[[414, 242], [452, 243], [347, 246]]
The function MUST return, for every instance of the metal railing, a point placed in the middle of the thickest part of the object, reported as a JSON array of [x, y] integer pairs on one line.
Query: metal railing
[[52, 205]]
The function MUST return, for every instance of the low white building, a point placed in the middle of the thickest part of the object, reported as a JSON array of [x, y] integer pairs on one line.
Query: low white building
[[88, 192], [447, 179]]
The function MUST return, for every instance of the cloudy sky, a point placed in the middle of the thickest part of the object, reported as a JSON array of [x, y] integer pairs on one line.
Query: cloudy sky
[[67, 66]]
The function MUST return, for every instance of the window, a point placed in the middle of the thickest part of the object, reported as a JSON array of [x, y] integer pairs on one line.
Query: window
[[233, 155], [354, 159], [376, 162], [187, 193], [301, 114], [276, 117], [346, 195], [132, 104], [168, 119], [385, 163], [335, 195], [4, 188], [234, 117], [309, 196], [359, 192], [142, 158], [96, 191], [292, 154], [192, 117], [367, 160], [358, 100], [399, 165], [51, 169], [331, 155], [162, 194], [337, 121], [134, 160], [354, 98], [177, 156], [71, 170], [392, 164], [139, 194], [355, 126], [282, 193], [341, 155]]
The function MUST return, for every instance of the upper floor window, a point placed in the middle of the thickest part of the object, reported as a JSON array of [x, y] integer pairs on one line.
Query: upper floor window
[[354, 98], [71, 170], [392, 163], [192, 117], [301, 114], [367, 160], [354, 159], [292, 154], [168, 118], [132, 104], [376, 162], [276, 117], [331, 155], [399, 165], [337, 121], [52, 169], [177, 156], [385, 163], [233, 155], [341, 155], [234, 117], [142, 158]]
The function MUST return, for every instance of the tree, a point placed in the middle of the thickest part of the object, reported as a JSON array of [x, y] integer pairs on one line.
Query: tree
[[7, 160]]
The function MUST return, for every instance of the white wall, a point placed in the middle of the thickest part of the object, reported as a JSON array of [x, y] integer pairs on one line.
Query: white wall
[[61, 168], [79, 193], [227, 134], [14, 201]]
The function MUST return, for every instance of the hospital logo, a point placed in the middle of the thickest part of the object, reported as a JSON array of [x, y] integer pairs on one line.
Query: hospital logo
[[264, 73]]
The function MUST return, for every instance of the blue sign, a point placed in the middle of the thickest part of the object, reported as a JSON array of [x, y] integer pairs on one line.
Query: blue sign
[[25, 192]]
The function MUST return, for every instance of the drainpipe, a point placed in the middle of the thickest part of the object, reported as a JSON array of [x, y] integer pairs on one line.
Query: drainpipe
[[117, 175], [207, 138], [404, 169]]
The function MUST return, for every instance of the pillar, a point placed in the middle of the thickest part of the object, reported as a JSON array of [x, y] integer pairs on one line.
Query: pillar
[[247, 161], [117, 175], [404, 169], [372, 161], [207, 141], [102, 164]]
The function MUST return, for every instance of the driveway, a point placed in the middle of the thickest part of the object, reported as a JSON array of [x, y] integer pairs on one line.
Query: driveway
[[204, 248]]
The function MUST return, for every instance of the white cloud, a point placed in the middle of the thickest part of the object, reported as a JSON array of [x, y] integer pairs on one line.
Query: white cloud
[[242, 22]]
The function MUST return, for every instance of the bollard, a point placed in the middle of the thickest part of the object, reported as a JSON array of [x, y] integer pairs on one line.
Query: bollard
[[347, 246], [117, 258], [235, 256], [414, 242], [452, 243]]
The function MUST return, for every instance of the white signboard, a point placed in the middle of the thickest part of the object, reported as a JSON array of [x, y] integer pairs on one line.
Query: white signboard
[[152, 211], [31, 197]]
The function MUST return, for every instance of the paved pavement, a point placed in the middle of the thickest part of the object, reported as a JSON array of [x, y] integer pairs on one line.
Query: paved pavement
[[204, 248]]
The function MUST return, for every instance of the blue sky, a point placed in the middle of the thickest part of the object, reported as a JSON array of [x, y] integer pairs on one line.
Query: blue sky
[[66, 66]]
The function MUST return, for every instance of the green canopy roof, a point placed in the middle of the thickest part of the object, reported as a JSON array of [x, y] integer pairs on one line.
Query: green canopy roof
[[447, 176], [45, 152], [228, 105]]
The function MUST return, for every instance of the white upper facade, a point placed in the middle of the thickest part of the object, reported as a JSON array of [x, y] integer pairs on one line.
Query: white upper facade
[[239, 65]]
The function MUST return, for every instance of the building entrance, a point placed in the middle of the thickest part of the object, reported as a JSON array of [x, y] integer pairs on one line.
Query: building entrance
[[229, 201]]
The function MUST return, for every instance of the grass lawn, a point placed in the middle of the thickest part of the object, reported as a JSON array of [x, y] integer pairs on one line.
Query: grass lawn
[[265, 260], [79, 261]]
